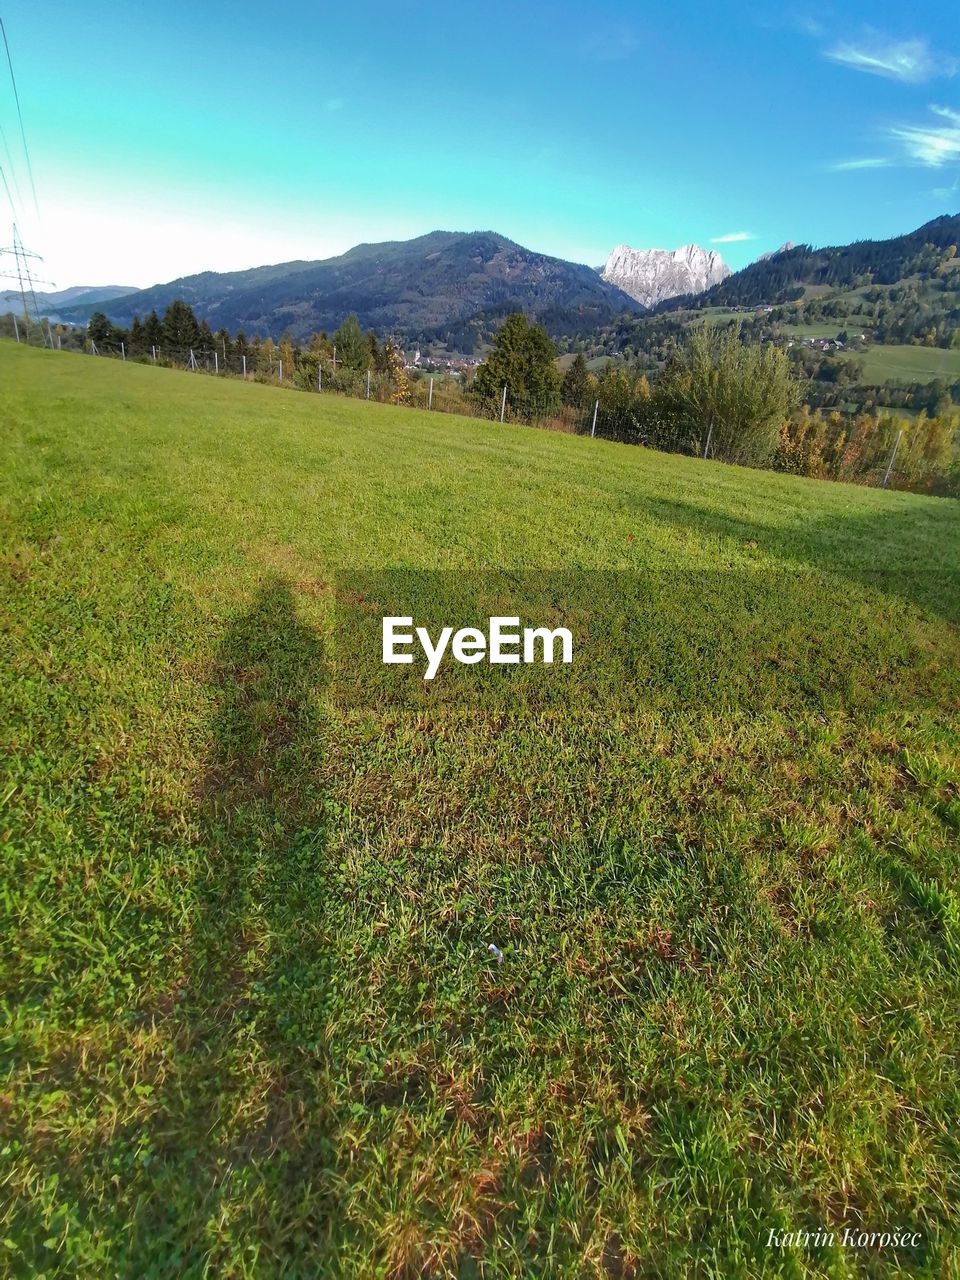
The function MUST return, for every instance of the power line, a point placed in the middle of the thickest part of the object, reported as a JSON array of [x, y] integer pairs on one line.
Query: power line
[[24, 276], [23, 133], [6, 187], [12, 171]]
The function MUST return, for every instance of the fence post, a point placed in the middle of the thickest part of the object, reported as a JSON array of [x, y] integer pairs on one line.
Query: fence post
[[280, 378], [94, 346], [244, 359], [430, 396], [334, 357], [503, 402], [216, 363], [59, 343], [16, 328], [123, 352], [896, 446], [319, 375], [368, 384], [706, 443], [593, 429]]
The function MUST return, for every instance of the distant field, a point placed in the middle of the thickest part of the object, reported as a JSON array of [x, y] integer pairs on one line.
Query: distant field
[[252, 1022], [909, 364], [823, 329]]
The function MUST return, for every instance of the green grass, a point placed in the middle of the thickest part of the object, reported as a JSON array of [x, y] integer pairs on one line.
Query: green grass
[[909, 364], [251, 1026]]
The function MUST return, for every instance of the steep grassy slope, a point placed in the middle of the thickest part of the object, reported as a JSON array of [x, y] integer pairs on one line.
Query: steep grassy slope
[[251, 1022]]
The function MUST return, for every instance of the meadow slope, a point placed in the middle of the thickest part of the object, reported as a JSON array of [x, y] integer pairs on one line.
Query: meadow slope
[[251, 1022]]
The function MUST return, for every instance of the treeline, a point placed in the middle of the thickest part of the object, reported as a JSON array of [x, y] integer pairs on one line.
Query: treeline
[[720, 398], [178, 333]]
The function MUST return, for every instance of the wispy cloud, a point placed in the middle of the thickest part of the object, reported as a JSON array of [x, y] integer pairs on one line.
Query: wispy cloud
[[868, 162], [733, 237], [612, 44], [807, 25], [911, 61], [933, 145], [334, 104]]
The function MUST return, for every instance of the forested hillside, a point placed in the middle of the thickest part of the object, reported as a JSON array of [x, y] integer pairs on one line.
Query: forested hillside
[[784, 276], [447, 288]]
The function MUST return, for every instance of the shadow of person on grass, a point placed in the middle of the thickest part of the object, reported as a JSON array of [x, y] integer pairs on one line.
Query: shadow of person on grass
[[244, 1122]]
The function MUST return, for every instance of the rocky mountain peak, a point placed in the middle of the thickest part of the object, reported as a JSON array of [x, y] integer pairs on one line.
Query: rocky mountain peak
[[775, 253], [651, 276]]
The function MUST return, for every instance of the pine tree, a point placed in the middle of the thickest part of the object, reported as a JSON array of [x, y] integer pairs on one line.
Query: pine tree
[[180, 332], [522, 359], [98, 327], [576, 382], [152, 330]]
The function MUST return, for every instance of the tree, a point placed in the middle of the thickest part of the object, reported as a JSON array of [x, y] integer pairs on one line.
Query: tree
[[99, 327], [205, 340], [733, 395], [152, 330], [522, 359], [136, 335], [576, 384], [401, 383], [180, 332], [375, 357], [287, 357], [224, 345], [353, 350]]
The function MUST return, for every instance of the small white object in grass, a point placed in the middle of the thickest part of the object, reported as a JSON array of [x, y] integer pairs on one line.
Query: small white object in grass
[[495, 951]]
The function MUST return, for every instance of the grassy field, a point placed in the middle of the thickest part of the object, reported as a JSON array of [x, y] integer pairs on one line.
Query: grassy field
[[823, 329], [909, 364], [252, 1025]]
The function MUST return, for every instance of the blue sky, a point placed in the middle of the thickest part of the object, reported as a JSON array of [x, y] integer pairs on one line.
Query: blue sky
[[167, 138]]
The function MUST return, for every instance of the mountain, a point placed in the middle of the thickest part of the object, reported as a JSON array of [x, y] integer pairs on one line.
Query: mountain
[[772, 253], [446, 287], [651, 276], [77, 296], [785, 275]]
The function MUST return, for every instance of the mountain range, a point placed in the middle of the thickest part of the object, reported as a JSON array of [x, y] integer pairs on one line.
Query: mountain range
[[452, 289], [78, 295], [447, 287]]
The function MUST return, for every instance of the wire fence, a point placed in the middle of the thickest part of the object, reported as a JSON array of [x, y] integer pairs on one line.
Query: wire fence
[[318, 372], [321, 373]]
